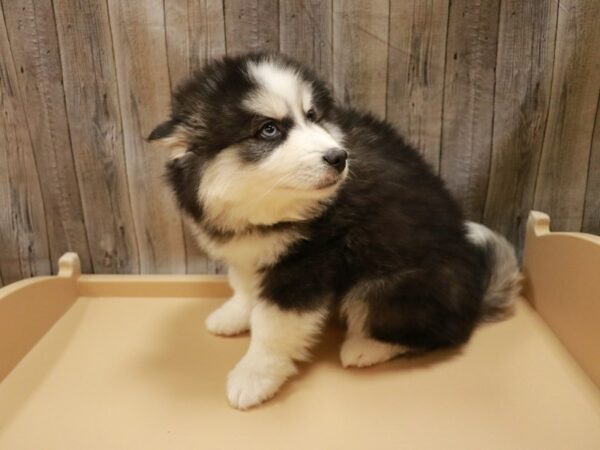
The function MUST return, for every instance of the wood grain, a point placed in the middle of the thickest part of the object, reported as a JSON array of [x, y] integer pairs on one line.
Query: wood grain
[[251, 25], [32, 33], [91, 92], [138, 33], [415, 81], [469, 101], [23, 236], [195, 35], [308, 34], [591, 213], [360, 53], [527, 34], [561, 183]]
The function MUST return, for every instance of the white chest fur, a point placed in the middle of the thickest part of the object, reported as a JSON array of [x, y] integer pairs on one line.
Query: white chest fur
[[248, 251]]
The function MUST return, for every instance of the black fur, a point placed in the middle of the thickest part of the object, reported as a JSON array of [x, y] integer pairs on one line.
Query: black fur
[[393, 221], [182, 174], [393, 226]]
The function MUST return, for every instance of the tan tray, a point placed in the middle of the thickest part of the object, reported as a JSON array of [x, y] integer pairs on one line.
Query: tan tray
[[124, 362]]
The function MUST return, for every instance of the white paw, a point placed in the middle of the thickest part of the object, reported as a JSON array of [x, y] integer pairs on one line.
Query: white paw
[[358, 351], [250, 384], [228, 320]]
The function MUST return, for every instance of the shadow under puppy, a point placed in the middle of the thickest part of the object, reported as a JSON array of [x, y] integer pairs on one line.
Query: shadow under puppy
[[319, 209]]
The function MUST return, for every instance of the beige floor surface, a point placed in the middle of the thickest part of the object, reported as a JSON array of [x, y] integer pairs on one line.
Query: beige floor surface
[[133, 373]]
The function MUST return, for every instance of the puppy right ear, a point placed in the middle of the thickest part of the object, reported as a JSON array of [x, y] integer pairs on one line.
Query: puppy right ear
[[171, 136]]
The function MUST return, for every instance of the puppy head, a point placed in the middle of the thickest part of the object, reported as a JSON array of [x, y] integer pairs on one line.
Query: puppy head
[[257, 134]]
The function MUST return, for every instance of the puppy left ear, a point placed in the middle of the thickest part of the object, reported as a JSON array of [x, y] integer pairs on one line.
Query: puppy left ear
[[164, 130], [171, 136]]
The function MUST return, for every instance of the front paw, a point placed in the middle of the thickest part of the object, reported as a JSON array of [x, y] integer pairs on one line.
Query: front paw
[[252, 382], [230, 319]]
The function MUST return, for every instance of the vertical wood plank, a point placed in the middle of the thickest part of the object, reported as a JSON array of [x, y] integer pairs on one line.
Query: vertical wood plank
[[23, 237], [591, 213], [195, 35], [306, 34], [527, 34], [91, 92], [415, 89], [561, 184], [251, 25], [138, 32], [32, 34], [360, 53], [469, 101]]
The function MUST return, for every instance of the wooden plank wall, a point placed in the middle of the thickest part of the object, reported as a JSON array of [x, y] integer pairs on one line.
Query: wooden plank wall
[[501, 96]]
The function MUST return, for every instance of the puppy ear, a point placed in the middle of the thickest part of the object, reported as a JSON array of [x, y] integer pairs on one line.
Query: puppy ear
[[163, 130], [170, 135]]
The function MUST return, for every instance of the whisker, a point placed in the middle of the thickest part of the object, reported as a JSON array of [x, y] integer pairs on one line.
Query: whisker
[[274, 185]]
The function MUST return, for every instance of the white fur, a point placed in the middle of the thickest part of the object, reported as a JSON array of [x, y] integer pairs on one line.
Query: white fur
[[478, 233], [300, 157], [355, 311], [249, 251], [505, 279], [359, 350], [175, 144], [265, 104], [334, 131], [233, 317], [278, 339], [281, 93], [237, 195]]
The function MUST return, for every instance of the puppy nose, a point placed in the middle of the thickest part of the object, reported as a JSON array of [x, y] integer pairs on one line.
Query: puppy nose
[[336, 158]]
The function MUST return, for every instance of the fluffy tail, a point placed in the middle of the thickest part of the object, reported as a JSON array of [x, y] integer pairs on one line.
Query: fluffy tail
[[503, 277]]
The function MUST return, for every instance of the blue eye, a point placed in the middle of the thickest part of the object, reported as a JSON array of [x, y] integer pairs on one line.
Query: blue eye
[[269, 130]]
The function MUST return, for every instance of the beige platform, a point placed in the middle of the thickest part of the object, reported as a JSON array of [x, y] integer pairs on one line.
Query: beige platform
[[124, 362]]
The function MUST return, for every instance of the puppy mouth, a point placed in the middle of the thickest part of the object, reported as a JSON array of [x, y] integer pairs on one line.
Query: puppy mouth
[[326, 184], [329, 181]]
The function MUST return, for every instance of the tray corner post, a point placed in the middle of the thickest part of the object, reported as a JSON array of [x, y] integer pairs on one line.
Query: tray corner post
[[69, 265], [538, 224]]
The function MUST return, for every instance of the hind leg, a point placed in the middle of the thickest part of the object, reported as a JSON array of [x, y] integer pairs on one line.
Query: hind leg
[[407, 312], [359, 349]]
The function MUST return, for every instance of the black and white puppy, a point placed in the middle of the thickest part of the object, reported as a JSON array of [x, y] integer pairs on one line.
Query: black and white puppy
[[319, 209]]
